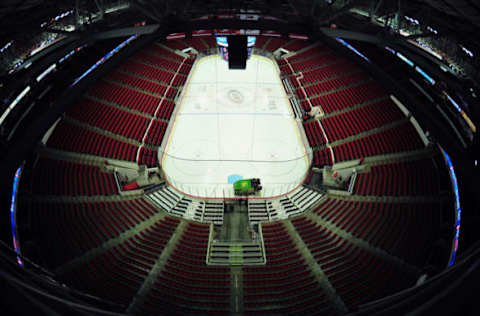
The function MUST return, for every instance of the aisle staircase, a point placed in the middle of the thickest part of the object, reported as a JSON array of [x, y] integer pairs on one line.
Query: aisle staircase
[[236, 253], [168, 200]]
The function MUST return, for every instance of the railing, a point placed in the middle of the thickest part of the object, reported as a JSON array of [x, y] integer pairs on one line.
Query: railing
[[352, 181], [205, 178], [299, 112]]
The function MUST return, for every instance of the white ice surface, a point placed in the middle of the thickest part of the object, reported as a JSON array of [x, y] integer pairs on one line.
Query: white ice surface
[[234, 122]]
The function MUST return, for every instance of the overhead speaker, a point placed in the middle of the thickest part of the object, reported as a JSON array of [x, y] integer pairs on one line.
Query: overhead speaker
[[237, 52]]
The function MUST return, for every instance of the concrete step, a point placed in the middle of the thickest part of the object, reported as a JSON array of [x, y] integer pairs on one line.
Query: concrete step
[[235, 253]]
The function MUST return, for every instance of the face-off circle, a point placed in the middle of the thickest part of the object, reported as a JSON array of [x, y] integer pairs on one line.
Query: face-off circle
[[235, 96]]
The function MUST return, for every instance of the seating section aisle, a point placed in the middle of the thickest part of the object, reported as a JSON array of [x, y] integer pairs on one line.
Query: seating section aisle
[[60, 177], [118, 273], [410, 238], [403, 137], [76, 227], [402, 178], [356, 274], [285, 285], [186, 285]]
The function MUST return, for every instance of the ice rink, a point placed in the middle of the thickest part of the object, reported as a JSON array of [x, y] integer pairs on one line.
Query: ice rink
[[234, 124]]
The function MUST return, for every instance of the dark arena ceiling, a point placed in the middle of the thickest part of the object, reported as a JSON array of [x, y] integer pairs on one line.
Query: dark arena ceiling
[[461, 15], [89, 106], [460, 19]]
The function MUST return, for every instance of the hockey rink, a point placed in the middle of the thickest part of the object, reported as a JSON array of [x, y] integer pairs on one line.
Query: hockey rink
[[234, 124]]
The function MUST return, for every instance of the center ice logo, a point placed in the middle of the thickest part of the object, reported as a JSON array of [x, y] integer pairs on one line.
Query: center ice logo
[[235, 96]]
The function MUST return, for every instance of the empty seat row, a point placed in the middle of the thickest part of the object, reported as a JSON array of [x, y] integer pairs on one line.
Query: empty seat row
[[165, 110], [186, 284], [319, 60], [74, 228], [336, 67], [372, 222], [69, 137], [126, 97], [305, 104], [60, 177], [296, 45], [161, 51], [177, 44], [74, 138], [356, 274], [309, 177], [158, 61], [260, 41], [156, 132], [285, 281], [210, 41], [196, 43], [109, 118], [403, 137], [361, 119], [123, 268], [306, 54], [322, 157], [274, 44], [314, 133], [334, 84], [148, 157], [417, 177], [139, 83], [147, 71], [349, 97]]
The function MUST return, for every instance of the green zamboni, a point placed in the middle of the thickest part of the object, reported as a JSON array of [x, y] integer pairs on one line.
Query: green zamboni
[[247, 186]]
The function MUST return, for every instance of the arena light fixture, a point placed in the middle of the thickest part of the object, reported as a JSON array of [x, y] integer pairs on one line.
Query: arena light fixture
[[14, 103]]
